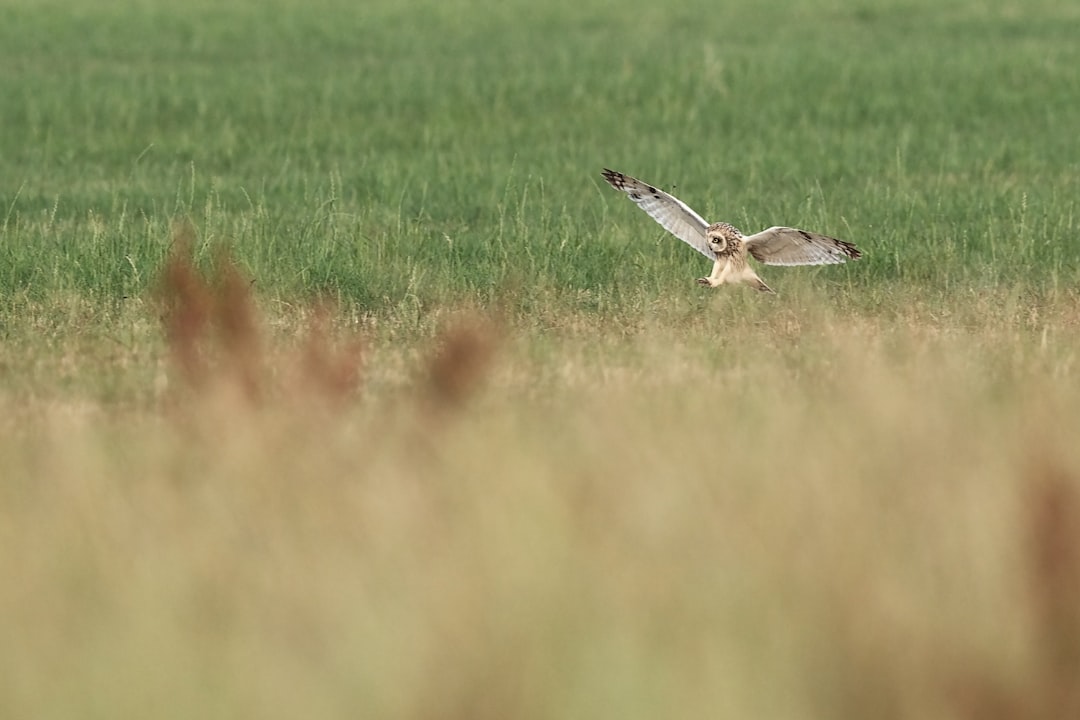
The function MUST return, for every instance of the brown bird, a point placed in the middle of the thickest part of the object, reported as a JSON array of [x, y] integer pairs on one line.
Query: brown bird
[[725, 245]]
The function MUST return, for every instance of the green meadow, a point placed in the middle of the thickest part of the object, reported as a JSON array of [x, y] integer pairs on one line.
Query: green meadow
[[335, 381]]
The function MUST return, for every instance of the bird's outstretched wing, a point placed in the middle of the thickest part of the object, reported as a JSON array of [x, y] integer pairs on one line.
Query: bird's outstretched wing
[[790, 246], [673, 214]]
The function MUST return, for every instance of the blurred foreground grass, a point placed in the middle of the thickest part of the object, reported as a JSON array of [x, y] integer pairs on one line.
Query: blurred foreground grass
[[806, 514], [518, 465]]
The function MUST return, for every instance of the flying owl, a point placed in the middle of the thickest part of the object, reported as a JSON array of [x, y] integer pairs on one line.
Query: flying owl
[[725, 245]]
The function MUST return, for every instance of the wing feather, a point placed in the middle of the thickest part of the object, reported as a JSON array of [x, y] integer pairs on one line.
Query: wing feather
[[673, 214], [791, 246]]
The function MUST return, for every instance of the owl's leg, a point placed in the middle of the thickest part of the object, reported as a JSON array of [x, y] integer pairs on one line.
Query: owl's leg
[[751, 278], [717, 276]]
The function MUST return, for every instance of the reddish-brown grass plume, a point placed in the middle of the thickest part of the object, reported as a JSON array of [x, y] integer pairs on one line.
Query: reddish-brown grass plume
[[213, 334], [461, 358], [187, 305], [1054, 552], [1049, 535], [236, 325], [210, 324], [327, 372]]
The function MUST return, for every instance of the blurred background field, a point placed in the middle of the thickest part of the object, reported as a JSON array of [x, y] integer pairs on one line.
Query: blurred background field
[[335, 382]]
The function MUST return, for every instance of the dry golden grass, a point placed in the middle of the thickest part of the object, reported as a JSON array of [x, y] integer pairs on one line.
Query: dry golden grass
[[799, 515]]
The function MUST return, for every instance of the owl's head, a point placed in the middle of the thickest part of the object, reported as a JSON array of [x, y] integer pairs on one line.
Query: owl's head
[[722, 237]]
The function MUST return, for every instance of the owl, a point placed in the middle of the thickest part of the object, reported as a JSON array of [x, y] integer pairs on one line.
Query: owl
[[725, 245]]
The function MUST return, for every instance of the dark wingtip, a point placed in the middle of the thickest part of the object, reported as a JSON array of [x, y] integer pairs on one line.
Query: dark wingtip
[[844, 248], [614, 179]]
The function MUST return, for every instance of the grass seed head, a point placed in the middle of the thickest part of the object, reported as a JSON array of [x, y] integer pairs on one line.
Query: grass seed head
[[457, 366]]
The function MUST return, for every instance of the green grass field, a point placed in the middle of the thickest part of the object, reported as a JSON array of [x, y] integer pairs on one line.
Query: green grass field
[[454, 433]]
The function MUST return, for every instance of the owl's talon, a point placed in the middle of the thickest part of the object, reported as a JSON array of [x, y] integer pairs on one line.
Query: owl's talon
[[704, 281]]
